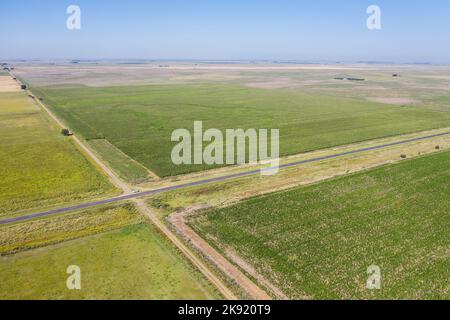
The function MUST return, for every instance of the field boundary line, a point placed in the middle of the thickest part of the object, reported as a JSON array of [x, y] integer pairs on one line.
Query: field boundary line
[[150, 173]]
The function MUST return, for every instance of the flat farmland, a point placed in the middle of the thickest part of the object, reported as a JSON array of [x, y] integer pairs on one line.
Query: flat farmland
[[120, 257], [139, 120], [40, 167], [318, 241]]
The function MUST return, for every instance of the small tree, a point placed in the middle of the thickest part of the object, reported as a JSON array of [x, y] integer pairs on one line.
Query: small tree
[[65, 132]]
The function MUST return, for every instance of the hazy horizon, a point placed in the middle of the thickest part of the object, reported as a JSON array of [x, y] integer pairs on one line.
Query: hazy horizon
[[297, 31]]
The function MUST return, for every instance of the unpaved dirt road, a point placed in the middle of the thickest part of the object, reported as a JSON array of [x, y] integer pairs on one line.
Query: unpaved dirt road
[[227, 293], [215, 257]]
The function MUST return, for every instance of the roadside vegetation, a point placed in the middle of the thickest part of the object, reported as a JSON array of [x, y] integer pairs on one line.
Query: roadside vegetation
[[40, 167], [40, 232], [317, 241], [139, 120]]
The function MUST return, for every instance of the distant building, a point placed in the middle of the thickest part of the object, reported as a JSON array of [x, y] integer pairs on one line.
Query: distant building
[[349, 79]]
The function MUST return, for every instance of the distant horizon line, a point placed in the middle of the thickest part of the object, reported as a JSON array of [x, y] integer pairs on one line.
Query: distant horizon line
[[235, 61]]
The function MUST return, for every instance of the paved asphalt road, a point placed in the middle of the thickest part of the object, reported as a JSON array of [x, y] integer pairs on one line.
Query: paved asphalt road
[[206, 181]]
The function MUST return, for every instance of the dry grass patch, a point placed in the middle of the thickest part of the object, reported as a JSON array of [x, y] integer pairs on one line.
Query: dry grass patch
[[8, 84]]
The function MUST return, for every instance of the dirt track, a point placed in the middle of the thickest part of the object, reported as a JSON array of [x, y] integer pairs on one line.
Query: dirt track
[[252, 290], [227, 293]]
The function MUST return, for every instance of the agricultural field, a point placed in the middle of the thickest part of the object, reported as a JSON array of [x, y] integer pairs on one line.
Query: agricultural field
[[318, 241], [126, 168], [139, 120], [314, 241], [414, 85], [119, 254], [40, 167], [224, 150]]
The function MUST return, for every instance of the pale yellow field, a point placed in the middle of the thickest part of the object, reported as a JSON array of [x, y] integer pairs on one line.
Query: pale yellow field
[[8, 84]]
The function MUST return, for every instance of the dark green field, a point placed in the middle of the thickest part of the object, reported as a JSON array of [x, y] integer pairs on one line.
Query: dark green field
[[318, 241], [139, 120]]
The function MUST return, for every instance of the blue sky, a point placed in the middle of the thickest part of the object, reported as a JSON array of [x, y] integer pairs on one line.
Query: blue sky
[[332, 30]]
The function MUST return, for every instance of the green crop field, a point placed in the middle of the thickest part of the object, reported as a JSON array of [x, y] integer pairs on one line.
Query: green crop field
[[318, 241], [40, 167], [120, 257], [139, 120], [125, 167]]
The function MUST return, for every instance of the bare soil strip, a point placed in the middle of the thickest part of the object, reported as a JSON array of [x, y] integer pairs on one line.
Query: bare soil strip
[[396, 101], [227, 293], [252, 290], [247, 267], [8, 84]]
